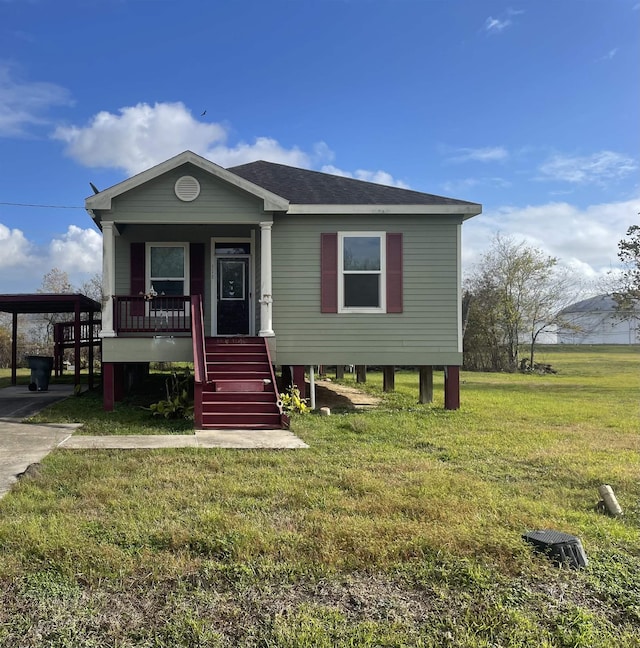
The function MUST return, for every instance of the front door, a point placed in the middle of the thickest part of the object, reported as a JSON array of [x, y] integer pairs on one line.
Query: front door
[[233, 312]]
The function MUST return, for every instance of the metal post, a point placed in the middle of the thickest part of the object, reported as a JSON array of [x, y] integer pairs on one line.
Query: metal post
[[312, 387]]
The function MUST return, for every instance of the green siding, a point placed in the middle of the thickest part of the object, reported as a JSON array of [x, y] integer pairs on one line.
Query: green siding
[[427, 332], [156, 202]]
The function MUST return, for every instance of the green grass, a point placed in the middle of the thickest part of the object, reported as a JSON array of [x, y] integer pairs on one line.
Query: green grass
[[130, 416], [398, 527]]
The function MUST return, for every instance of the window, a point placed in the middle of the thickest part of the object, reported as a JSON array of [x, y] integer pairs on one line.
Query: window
[[385, 283], [167, 265], [361, 272]]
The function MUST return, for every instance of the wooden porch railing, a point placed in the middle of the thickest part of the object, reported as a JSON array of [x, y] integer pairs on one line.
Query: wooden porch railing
[[199, 358], [64, 338], [161, 315]]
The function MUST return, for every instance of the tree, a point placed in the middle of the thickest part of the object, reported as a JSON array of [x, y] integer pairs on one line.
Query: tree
[[55, 281], [93, 287], [517, 293], [628, 295]]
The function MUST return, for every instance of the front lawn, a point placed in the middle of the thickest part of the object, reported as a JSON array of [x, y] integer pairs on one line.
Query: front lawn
[[397, 527]]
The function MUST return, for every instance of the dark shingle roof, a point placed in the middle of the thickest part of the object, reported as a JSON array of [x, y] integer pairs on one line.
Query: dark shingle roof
[[304, 187]]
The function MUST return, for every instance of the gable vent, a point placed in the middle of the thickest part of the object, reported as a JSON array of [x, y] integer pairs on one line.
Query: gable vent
[[187, 188]]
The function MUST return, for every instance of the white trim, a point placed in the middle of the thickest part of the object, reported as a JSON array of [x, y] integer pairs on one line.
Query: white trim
[[109, 232], [382, 273], [214, 278], [185, 271], [466, 211], [459, 284], [266, 290]]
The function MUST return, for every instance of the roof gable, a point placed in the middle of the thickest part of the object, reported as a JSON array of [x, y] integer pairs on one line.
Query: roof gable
[[103, 199]]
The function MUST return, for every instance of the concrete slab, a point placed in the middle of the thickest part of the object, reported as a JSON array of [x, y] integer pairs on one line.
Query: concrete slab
[[273, 439], [129, 442], [17, 402], [247, 439], [22, 444]]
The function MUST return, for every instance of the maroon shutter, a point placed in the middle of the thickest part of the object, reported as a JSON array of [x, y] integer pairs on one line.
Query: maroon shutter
[[329, 273], [196, 269], [137, 252], [394, 273]]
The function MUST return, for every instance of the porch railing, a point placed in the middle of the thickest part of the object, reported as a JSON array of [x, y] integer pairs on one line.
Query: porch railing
[[199, 358], [64, 332], [161, 315]]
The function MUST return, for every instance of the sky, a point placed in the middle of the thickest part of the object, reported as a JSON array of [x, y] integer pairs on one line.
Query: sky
[[530, 108]]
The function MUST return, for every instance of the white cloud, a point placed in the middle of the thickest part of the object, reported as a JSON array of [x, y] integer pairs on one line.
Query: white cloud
[[264, 148], [14, 248], [78, 250], [378, 177], [138, 137], [485, 154], [596, 168], [610, 54], [463, 184], [582, 239], [495, 26], [23, 103]]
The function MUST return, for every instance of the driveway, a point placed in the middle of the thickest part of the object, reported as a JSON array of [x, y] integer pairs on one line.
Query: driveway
[[23, 444]]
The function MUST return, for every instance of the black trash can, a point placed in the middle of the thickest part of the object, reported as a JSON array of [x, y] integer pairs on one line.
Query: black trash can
[[41, 367]]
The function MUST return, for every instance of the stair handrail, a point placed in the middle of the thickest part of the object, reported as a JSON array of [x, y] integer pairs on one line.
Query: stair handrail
[[199, 358], [284, 419]]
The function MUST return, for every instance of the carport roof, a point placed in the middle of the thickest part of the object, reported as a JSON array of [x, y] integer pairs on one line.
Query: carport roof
[[47, 303]]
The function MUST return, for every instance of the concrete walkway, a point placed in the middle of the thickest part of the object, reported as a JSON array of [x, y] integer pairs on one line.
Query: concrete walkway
[[273, 439], [22, 444]]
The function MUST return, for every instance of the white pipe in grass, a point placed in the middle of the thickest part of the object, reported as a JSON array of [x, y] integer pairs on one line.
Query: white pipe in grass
[[609, 499], [312, 387]]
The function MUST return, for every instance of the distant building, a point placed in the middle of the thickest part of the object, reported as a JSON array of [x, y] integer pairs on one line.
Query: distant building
[[596, 321]]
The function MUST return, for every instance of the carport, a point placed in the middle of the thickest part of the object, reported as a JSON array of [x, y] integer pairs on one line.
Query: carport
[[40, 303]]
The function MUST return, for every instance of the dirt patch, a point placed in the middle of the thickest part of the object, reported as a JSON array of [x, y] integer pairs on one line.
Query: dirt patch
[[335, 396]]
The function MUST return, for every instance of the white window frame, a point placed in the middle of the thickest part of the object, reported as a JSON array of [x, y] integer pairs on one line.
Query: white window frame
[[186, 277], [382, 284]]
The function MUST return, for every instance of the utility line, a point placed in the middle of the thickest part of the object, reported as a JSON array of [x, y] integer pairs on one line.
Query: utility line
[[12, 204]]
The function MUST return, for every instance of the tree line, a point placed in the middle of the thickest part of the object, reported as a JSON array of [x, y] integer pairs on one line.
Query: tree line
[[516, 293]]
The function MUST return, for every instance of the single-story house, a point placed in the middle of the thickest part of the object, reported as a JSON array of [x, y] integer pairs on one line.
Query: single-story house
[[239, 270]]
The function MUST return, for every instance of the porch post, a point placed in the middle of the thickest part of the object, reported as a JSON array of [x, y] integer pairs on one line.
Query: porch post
[[14, 348], [426, 384], [91, 349], [266, 299], [452, 387], [299, 380], [108, 278], [108, 386], [388, 378], [76, 341]]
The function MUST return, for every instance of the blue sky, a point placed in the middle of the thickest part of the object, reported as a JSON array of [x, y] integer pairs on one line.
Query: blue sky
[[530, 108]]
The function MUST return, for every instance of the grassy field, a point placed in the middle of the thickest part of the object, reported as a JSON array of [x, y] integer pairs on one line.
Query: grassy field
[[398, 527]]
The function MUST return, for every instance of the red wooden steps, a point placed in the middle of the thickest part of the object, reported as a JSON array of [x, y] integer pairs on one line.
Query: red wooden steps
[[239, 392]]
